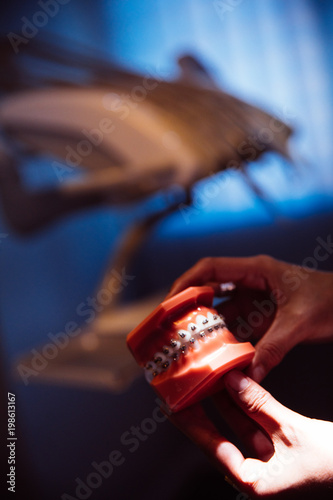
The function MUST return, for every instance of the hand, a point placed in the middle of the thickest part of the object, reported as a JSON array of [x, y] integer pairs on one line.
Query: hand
[[282, 304], [292, 454]]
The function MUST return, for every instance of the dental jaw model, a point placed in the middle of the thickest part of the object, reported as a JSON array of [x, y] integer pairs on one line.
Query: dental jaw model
[[185, 348]]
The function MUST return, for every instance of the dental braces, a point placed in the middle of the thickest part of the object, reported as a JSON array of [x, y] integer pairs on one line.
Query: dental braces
[[204, 328]]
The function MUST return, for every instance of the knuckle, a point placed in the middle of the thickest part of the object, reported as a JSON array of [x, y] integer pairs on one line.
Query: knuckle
[[272, 354], [204, 267], [206, 262], [264, 260], [257, 400]]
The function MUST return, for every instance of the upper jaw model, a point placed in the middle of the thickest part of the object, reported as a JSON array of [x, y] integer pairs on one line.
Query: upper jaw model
[[185, 348]]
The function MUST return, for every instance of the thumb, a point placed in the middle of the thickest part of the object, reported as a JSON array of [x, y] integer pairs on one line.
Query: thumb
[[271, 349], [256, 402]]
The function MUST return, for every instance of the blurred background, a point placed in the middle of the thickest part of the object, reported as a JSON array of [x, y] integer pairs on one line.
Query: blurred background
[[272, 54]]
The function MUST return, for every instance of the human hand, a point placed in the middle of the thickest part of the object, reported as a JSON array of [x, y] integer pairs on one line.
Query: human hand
[[280, 303], [292, 454]]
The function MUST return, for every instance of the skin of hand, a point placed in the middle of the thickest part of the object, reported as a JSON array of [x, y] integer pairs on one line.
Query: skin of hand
[[291, 455], [281, 304]]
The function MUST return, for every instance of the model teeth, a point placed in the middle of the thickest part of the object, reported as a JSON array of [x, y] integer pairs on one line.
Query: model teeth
[[201, 320], [204, 329], [150, 366], [175, 344], [151, 371], [184, 335], [194, 343], [159, 357]]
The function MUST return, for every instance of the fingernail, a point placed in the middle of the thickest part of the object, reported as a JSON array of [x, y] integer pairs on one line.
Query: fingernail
[[258, 373], [237, 381]]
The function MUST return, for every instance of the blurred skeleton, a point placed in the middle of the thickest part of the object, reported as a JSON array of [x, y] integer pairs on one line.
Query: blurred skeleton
[[129, 136]]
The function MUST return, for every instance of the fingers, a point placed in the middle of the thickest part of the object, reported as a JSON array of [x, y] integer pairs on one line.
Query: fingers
[[258, 404], [275, 420], [255, 439], [248, 313], [259, 273], [230, 460], [256, 477], [251, 271], [194, 422], [280, 338]]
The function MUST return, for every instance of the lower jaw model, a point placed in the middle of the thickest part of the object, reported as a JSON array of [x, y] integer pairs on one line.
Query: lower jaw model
[[185, 348]]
